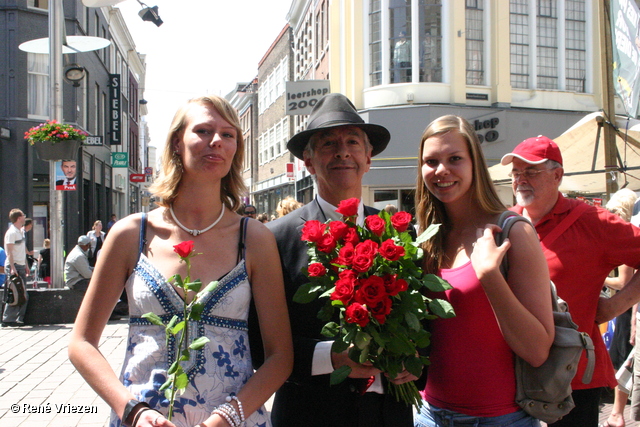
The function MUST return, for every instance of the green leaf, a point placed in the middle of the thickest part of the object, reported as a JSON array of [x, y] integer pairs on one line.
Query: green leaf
[[166, 384], [209, 288], [196, 310], [442, 308], [306, 293], [362, 340], [177, 328], [427, 234], [326, 312], [197, 344], [364, 355], [331, 329], [173, 368], [423, 339], [339, 375], [412, 321], [413, 365], [182, 381], [435, 283], [177, 280], [194, 286], [153, 318], [339, 345]]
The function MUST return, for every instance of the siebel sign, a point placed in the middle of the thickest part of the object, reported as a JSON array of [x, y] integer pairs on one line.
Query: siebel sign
[[137, 177], [303, 95]]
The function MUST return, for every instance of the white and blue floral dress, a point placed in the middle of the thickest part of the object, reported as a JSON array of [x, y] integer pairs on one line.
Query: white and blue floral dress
[[219, 369]]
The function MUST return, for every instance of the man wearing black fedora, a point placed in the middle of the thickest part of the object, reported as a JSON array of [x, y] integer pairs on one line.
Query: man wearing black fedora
[[336, 148]]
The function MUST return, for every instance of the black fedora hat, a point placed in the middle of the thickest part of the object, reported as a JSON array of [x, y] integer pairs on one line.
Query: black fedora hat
[[334, 110]]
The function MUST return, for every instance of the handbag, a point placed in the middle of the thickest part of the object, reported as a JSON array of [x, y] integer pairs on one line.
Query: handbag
[[15, 293], [544, 392], [625, 373]]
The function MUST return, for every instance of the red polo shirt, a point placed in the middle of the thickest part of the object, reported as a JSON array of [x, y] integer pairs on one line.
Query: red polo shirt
[[579, 261]]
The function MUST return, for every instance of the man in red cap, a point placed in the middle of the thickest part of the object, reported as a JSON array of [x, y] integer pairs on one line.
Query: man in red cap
[[582, 245]]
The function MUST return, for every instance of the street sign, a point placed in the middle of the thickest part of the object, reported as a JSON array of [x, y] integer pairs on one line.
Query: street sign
[[120, 160], [93, 140], [148, 170], [303, 95], [136, 177]]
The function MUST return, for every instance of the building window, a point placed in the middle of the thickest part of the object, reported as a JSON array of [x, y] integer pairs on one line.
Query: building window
[[430, 24], [519, 43], [474, 42], [272, 143], [375, 43], [273, 86], [400, 40], [547, 45], [38, 85], [576, 50], [40, 4]]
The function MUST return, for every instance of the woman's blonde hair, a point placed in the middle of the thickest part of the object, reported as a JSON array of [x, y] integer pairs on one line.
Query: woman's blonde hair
[[430, 210], [96, 223], [166, 185], [621, 203], [287, 205]]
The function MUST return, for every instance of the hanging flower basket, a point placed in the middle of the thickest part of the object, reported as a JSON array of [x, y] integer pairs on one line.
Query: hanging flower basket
[[55, 141]]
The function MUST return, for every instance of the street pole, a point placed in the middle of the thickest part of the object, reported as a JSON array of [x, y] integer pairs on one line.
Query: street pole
[[608, 106], [56, 202]]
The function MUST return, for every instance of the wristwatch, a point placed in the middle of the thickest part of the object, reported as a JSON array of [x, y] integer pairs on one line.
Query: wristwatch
[[130, 410]]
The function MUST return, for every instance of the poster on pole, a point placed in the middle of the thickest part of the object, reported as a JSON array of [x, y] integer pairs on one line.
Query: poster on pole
[[66, 175], [625, 30]]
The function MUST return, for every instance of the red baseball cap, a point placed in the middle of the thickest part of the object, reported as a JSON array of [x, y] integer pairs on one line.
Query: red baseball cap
[[534, 151]]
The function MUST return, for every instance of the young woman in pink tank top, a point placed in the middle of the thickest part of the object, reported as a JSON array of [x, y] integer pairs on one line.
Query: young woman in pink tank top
[[471, 377]]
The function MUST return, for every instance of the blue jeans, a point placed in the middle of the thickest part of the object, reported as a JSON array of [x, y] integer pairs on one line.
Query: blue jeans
[[432, 416]]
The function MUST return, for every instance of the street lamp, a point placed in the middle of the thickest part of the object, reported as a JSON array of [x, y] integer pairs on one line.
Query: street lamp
[[150, 14]]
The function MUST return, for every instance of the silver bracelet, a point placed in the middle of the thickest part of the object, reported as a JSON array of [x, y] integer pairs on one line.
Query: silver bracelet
[[229, 399], [225, 416], [232, 412]]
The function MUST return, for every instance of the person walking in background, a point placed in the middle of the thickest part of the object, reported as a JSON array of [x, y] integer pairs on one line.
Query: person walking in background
[[27, 227], [336, 148], [287, 205], [97, 238], [44, 263], [15, 264], [391, 209], [250, 211], [111, 222], [77, 271], [582, 245], [3, 258], [467, 384], [199, 190]]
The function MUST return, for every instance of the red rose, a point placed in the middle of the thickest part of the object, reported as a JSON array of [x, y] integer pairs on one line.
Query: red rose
[[312, 230], [345, 256], [316, 270], [348, 275], [357, 313], [348, 207], [375, 224], [351, 236], [368, 247], [393, 286], [401, 221], [371, 291], [381, 310], [343, 291], [184, 249], [361, 263], [338, 229], [326, 243], [389, 250]]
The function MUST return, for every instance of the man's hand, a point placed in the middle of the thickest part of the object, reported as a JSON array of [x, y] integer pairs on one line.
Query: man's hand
[[357, 370], [403, 377]]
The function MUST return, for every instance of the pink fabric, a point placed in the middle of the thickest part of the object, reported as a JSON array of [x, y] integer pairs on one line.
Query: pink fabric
[[579, 261], [472, 367]]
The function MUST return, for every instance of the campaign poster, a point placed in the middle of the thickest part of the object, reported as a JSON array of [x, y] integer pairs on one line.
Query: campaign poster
[[66, 175]]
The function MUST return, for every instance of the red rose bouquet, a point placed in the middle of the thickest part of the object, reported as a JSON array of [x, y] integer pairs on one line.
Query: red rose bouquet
[[177, 379], [371, 276]]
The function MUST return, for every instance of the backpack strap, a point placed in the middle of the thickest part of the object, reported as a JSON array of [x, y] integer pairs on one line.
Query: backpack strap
[[242, 247], [564, 224], [143, 234]]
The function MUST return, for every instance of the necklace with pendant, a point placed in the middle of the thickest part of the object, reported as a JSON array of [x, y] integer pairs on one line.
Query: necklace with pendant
[[195, 232]]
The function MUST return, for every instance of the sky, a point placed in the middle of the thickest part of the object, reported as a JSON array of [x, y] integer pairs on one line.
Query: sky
[[203, 47]]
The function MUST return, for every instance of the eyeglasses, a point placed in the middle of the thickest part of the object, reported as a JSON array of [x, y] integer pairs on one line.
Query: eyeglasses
[[527, 173]]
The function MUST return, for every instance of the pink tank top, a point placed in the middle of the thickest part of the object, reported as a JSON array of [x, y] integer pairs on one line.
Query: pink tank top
[[472, 367]]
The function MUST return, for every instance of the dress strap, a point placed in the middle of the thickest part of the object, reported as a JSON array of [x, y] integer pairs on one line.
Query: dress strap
[[242, 249], [143, 234]]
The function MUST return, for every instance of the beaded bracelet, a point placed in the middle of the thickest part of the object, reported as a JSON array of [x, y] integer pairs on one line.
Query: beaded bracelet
[[137, 417], [230, 410], [229, 399], [225, 416]]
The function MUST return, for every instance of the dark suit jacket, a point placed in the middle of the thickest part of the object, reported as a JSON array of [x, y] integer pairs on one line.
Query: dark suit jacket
[[310, 400]]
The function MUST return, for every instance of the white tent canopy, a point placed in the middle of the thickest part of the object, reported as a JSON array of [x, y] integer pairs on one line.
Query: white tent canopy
[[582, 148]]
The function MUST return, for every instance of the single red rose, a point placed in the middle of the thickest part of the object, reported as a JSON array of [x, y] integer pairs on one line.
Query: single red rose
[[316, 269], [368, 247], [361, 263], [357, 313], [349, 275], [371, 291], [338, 229], [381, 310], [184, 249], [326, 243], [401, 220], [393, 285], [348, 207], [351, 236], [343, 291], [345, 256], [375, 224], [312, 230], [389, 250]]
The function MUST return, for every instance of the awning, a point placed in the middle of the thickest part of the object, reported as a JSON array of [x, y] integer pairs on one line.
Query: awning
[[582, 148]]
